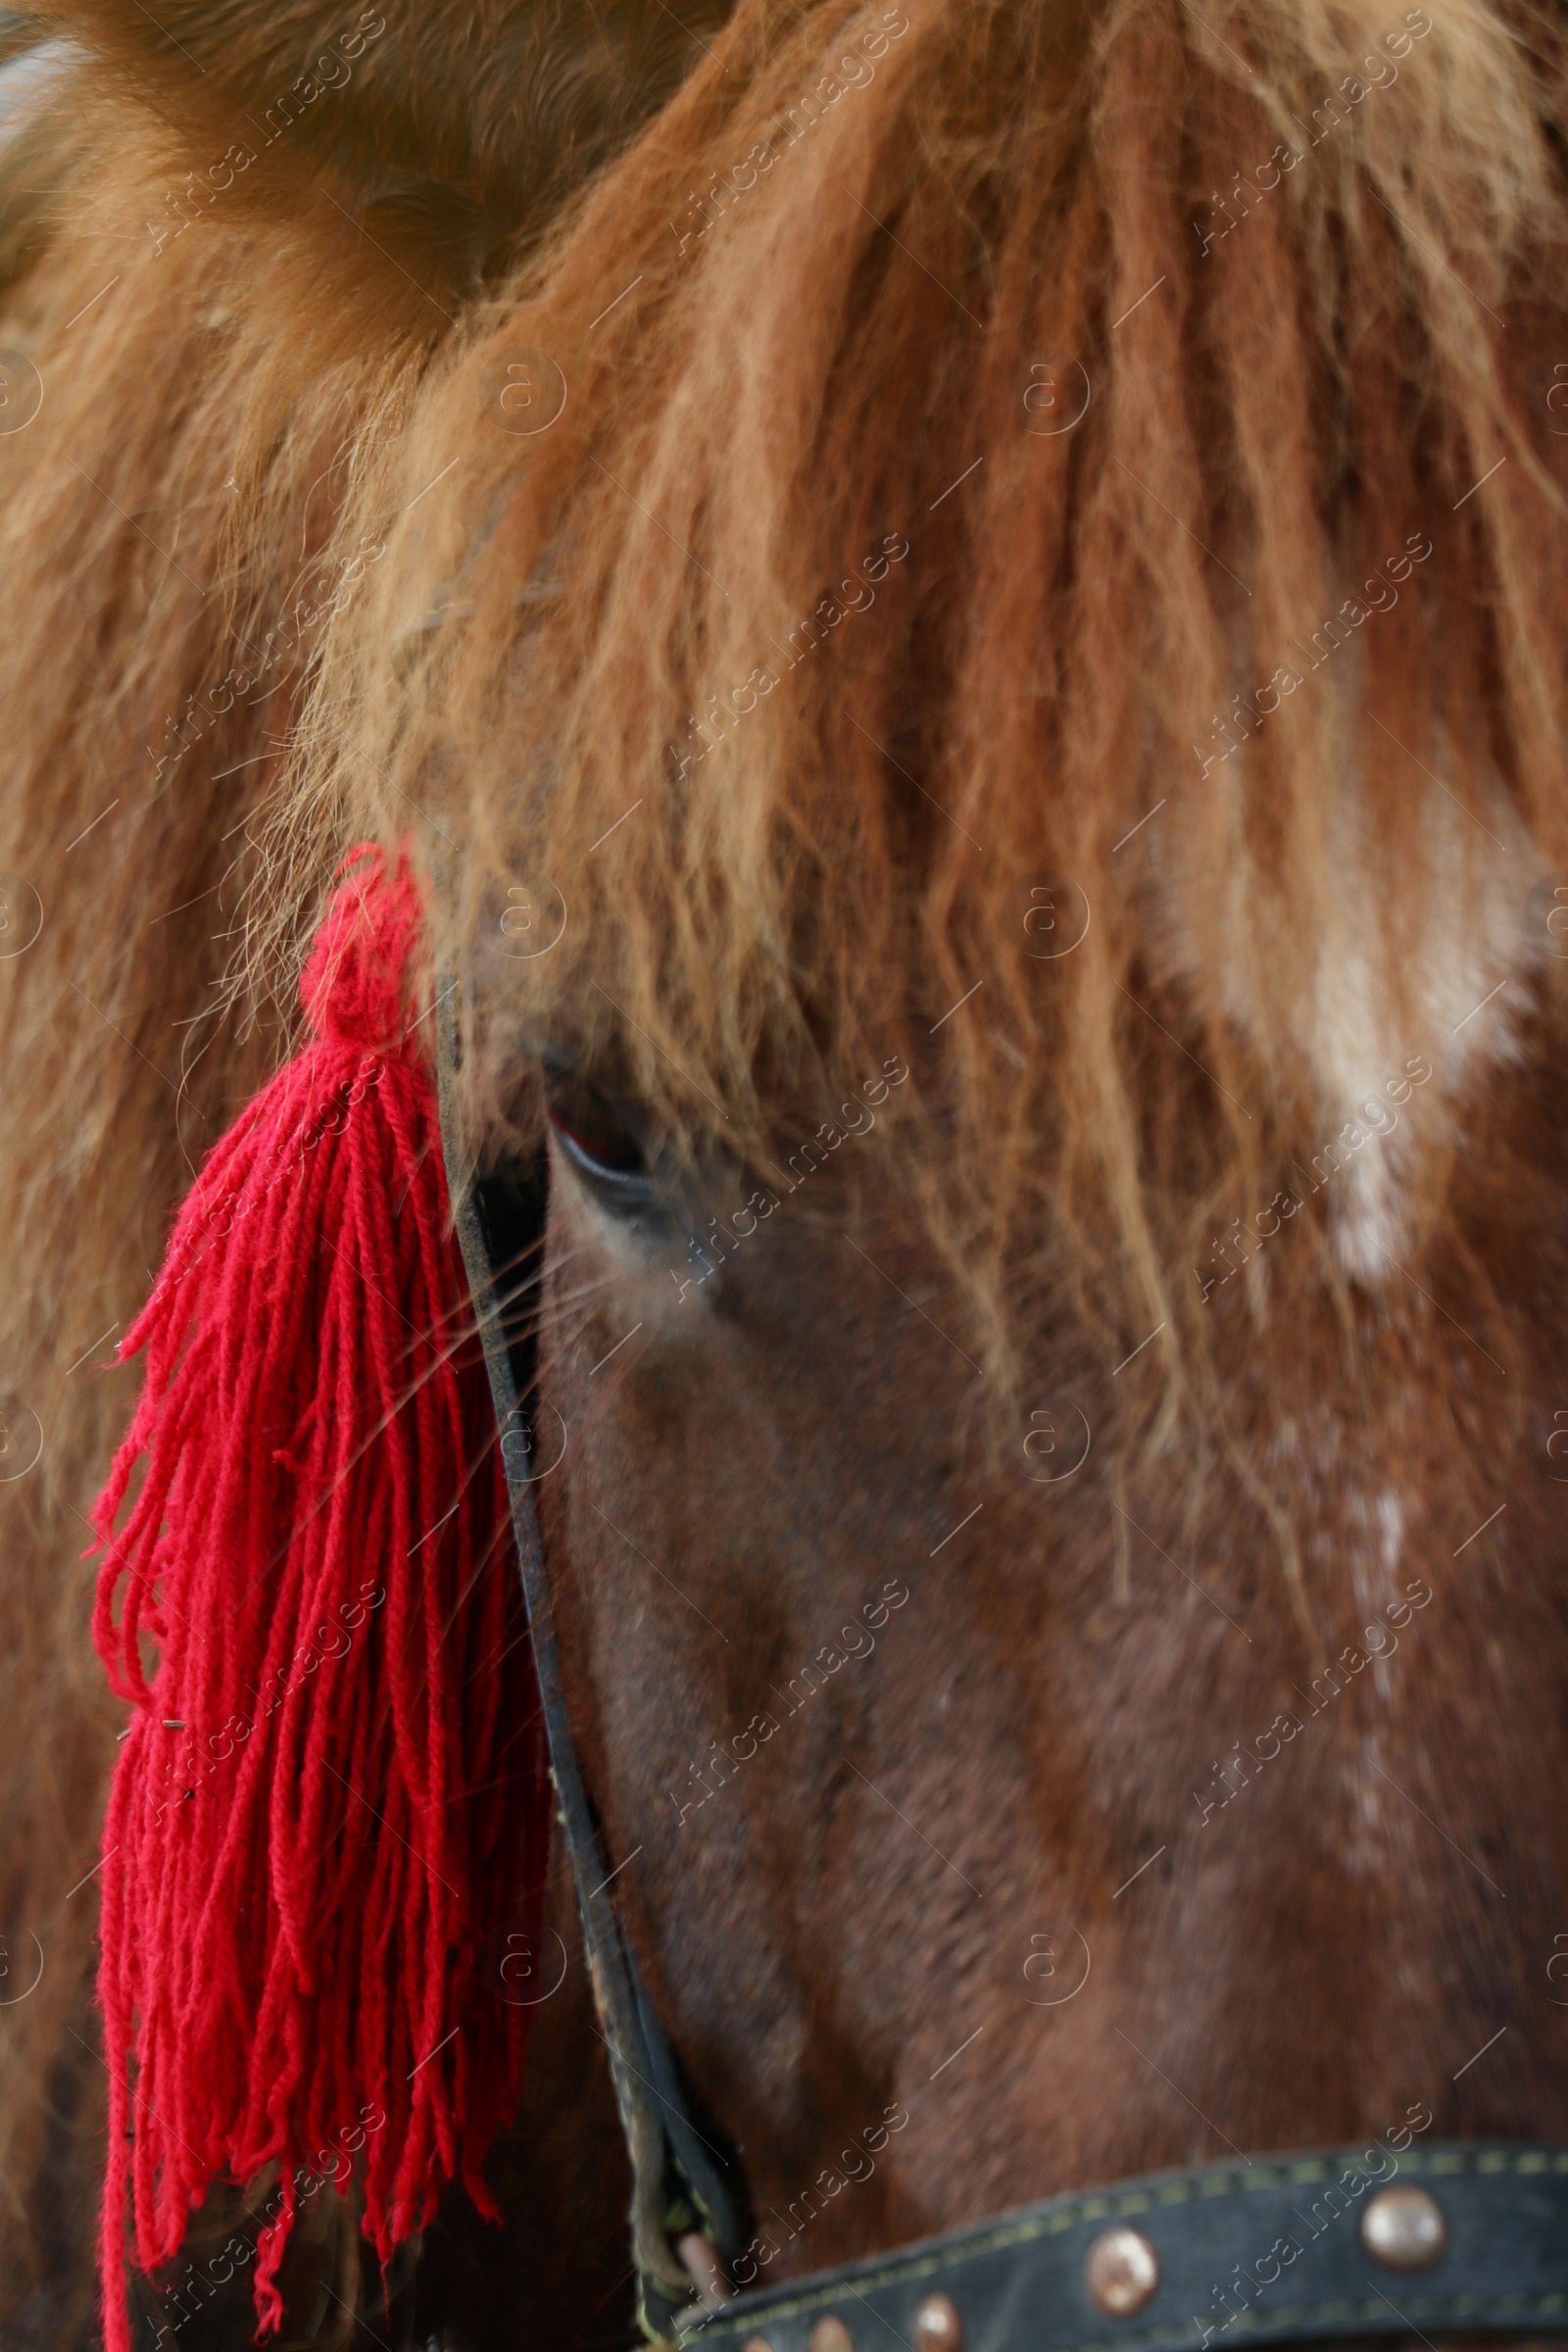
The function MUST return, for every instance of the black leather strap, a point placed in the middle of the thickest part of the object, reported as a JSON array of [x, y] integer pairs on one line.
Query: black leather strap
[[1267, 2252], [679, 2181]]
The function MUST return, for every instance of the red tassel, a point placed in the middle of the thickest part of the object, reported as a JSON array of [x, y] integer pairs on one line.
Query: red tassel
[[333, 1787]]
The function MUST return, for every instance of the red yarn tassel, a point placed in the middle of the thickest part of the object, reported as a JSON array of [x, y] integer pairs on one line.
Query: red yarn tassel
[[333, 1787]]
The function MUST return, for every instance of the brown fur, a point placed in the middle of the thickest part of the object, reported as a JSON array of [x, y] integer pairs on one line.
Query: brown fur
[[745, 417]]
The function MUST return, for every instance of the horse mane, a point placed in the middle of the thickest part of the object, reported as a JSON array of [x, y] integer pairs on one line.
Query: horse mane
[[813, 315], [218, 350]]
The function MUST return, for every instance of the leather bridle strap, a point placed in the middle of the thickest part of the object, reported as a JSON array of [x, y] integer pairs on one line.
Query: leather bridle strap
[[679, 2182], [1276, 2252], [1444, 2237]]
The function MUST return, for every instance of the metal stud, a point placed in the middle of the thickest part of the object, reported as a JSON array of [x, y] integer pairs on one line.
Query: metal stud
[[1121, 2273], [831, 2335], [937, 2325], [1404, 2229]]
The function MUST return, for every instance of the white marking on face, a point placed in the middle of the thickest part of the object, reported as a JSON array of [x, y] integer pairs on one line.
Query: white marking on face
[[1379, 1006]]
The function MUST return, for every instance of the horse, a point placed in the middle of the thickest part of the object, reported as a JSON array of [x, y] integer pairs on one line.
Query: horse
[[831, 529]]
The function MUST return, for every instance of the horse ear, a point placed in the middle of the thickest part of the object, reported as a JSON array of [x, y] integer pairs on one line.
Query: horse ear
[[471, 119]]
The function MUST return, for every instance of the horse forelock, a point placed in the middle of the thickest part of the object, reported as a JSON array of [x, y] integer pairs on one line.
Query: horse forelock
[[995, 453]]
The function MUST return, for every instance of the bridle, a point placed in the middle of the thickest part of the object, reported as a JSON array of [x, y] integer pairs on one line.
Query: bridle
[[1455, 2237]]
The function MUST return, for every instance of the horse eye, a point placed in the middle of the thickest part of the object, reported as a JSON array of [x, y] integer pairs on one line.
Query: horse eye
[[596, 1136]]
